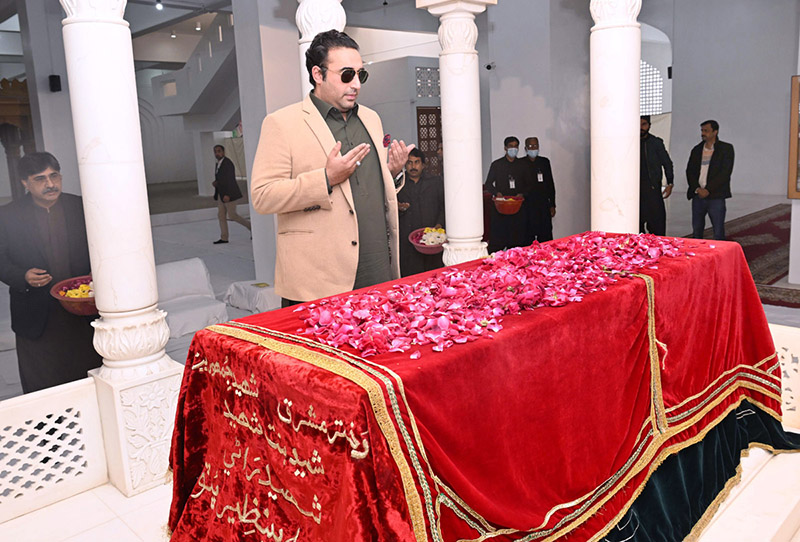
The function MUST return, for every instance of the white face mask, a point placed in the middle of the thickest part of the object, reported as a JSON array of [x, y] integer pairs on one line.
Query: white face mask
[[512, 152], [533, 153]]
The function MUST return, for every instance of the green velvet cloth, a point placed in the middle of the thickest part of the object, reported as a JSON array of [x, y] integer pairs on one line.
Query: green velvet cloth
[[678, 494]]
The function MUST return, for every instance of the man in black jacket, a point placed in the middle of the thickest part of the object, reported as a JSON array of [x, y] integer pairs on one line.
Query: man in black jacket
[[226, 192], [43, 241], [540, 195], [652, 158], [709, 175]]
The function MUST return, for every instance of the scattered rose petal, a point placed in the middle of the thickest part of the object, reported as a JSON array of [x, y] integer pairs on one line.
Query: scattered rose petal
[[456, 306]]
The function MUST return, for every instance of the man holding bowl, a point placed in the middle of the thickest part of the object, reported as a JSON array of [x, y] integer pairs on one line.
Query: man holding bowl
[[43, 241]]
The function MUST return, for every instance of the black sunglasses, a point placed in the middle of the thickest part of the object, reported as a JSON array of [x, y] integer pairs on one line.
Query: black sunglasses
[[347, 74]]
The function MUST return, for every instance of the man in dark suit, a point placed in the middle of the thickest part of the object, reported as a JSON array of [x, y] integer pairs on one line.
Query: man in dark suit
[[540, 195], [421, 205], [226, 192], [709, 175], [43, 241]]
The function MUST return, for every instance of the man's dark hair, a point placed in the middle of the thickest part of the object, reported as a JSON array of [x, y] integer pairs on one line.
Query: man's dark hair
[[219, 147], [317, 54], [510, 139], [36, 162], [714, 124], [647, 118], [418, 153]]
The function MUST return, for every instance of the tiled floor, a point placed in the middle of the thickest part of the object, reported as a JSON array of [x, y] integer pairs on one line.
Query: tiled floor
[[104, 514], [100, 515]]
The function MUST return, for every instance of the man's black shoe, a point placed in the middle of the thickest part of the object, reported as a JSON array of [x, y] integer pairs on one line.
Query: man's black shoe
[[220, 241]]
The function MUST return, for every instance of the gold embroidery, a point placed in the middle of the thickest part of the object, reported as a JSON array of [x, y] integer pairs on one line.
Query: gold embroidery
[[374, 394], [657, 398]]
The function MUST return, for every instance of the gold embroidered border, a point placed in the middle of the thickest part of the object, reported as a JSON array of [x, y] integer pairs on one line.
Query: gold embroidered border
[[372, 369], [724, 374], [376, 399], [657, 398]]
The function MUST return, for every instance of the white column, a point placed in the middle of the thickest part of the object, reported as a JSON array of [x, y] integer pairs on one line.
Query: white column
[[268, 75], [313, 17], [138, 383], [461, 126], [615, 53], [204, 161]]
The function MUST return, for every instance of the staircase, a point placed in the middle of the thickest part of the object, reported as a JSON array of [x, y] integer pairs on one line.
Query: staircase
[[205, 90]]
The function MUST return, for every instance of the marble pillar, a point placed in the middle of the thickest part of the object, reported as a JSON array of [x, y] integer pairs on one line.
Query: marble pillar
[[313, 17], [615, 53], [461, 126], [138, 383]]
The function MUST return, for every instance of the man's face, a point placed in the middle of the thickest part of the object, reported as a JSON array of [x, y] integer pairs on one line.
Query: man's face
[[645, 128], [512, 145], [330, 88], [414, 167], [218, 153], [707, 133], [532, 144], [45, 187]]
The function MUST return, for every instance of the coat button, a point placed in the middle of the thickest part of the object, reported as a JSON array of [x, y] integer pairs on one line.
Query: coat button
[[351, 212], [354, 243]]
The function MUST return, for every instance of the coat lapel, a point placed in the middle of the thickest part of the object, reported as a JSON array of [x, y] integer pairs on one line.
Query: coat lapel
[[325, 138]]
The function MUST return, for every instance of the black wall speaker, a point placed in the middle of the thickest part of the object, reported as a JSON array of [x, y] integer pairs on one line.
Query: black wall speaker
[[55, 83]]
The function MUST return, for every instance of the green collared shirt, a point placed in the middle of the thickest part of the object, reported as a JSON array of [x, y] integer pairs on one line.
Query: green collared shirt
[[369, 197]]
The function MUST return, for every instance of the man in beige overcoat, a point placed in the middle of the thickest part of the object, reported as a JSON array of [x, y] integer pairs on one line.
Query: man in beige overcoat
[[322, 168]]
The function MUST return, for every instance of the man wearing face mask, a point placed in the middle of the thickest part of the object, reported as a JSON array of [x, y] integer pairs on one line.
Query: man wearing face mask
[[652, 158], [508, 176], [540, 200], [43, 241]]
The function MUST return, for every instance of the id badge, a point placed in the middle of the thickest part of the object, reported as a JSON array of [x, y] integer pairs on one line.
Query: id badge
[[512, 184], [540, 177]]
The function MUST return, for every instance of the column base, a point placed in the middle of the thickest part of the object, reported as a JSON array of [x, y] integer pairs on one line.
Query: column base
[[137, 418], [460, 252]]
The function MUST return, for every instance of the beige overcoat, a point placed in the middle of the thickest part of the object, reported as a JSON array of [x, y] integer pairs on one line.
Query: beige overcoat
[[317, 237]]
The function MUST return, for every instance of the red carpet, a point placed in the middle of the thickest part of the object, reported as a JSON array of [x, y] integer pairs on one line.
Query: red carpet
[[764, 237]]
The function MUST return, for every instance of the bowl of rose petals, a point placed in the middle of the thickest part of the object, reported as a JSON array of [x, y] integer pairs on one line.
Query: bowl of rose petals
[[428, 240], [76, 295], [508, 205]]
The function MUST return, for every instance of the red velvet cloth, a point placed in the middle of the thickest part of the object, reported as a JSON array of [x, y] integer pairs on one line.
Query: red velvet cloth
[[546, 432]]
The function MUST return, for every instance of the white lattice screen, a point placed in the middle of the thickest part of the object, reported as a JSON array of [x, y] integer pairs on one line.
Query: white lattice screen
[[51, 447], [787, 343], [651, 90]]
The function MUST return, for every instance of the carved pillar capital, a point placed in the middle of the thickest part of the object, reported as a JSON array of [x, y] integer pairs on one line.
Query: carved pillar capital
[[315, 16], [99, 11], [610, 13], [132, 344]]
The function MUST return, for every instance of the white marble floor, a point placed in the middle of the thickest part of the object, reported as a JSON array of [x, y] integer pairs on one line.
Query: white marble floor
[[104, 514]]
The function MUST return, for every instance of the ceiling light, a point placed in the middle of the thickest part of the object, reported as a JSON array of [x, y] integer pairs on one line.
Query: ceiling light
[[198, 27], [159, 5], [172, 35]]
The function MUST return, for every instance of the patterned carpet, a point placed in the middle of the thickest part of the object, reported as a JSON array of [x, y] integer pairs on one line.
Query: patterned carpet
[[764, 236]]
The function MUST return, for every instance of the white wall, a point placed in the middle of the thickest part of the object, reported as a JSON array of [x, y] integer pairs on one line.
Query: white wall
[[43, 46], [657, 51], [732, 62], [168, 148], [540, 87], [380, 45]]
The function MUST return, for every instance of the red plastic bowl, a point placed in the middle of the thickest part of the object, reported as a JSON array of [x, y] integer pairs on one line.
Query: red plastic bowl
[[81, 306], [415, 238], [508, 205]]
